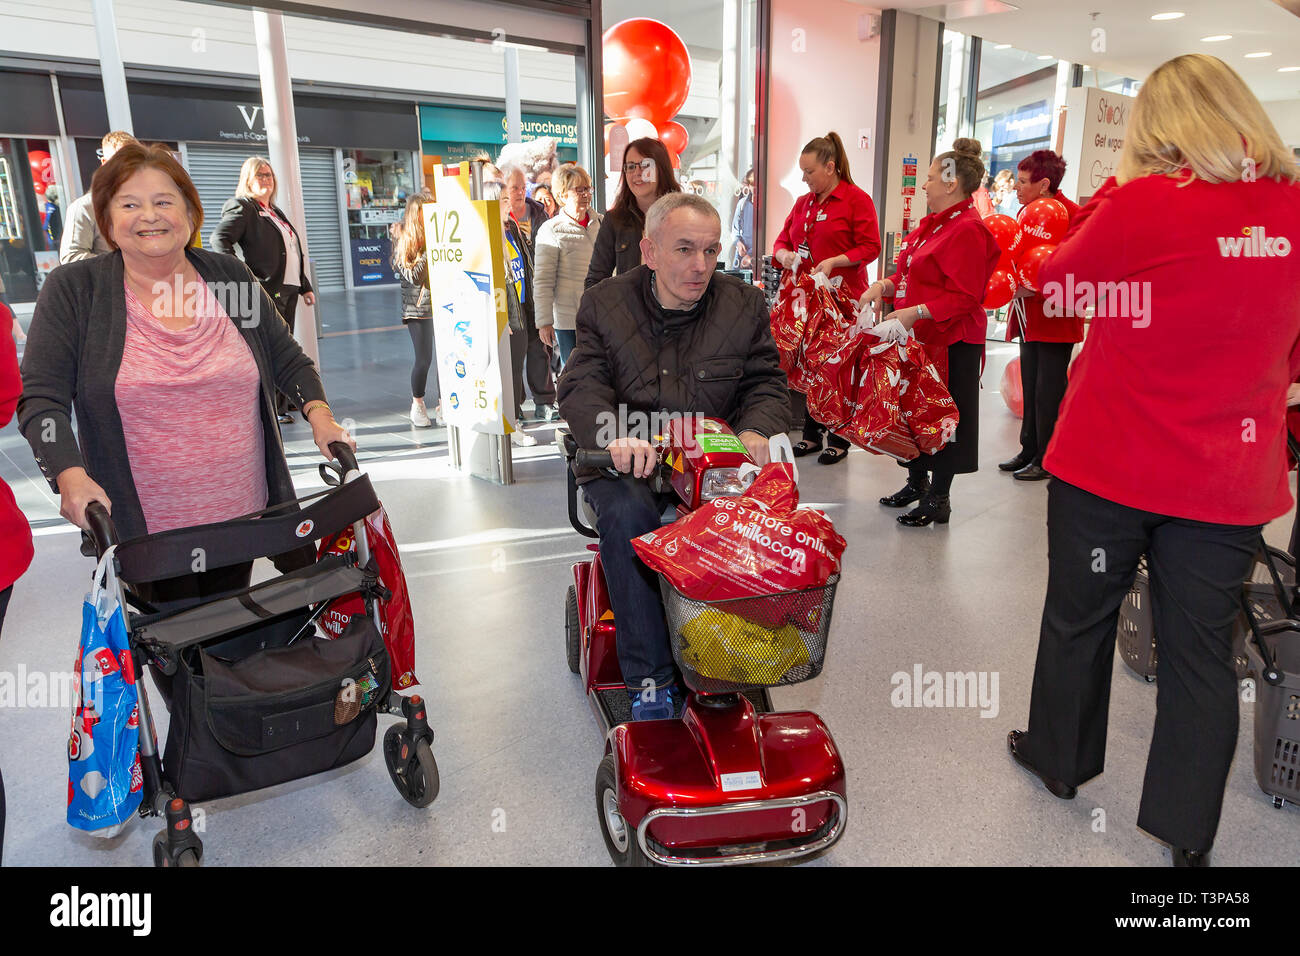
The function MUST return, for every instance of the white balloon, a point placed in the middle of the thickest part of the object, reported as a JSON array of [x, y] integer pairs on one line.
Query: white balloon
[[638, 128]]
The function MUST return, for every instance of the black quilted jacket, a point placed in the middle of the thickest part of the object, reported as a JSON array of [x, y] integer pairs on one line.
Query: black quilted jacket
[[720, 361]]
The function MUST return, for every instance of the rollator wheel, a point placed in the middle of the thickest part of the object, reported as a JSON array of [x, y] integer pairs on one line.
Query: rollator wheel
[[572, 630], [412, 767], [620, 839], [1279, 803], [187, 858]]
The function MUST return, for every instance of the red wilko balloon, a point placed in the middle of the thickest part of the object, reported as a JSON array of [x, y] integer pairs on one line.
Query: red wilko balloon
[[42, 169], [1044, 220], [1013, 392], [1004, 230], [674, 136], [1001, 287], [1031, 262], [647, 69]]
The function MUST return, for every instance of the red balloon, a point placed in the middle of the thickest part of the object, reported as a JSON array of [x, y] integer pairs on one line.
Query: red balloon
[[647, 69], [1031, 262], [1002, 286], [1044, 220], [1013, 389], [1004, 229], [42, 169], [674, 136], [677, 160]]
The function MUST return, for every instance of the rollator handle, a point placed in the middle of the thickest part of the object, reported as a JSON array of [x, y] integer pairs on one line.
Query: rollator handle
[[102, 534], [345, 456]]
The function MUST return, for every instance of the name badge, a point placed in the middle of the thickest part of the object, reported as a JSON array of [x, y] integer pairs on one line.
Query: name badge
[[821, 217], [804, 251]]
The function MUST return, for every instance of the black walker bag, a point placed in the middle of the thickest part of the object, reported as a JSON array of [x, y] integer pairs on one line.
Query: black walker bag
[[250, 712]]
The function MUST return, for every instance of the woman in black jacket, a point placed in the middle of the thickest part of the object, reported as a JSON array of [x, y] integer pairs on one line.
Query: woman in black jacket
[[647, 175], [269, 245], [412, 268]]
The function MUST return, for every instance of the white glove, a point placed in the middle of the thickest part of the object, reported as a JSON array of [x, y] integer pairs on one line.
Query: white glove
[[892, 330], [866, 316]]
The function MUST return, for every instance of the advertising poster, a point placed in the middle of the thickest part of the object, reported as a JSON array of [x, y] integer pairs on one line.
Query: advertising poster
[[470, 325], [1095, 123]]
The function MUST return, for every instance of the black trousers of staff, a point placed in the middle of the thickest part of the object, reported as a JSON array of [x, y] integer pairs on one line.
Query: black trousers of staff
[[1043, 376], [286, 303], [1195, 570]]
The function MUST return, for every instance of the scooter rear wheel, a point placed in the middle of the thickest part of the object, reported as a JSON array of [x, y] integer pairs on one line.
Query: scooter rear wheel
[[620, 838], [572, 630]]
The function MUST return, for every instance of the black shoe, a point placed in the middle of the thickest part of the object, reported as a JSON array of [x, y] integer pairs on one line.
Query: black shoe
[[831, 455], [1054, 787], [1015, 464], [285, 419], [1183, 857], [932, 509], [906, 495], [805, 447], [1032, 472]]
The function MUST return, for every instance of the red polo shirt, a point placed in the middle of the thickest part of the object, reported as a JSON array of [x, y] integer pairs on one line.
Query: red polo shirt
[[1045, 328], [945, 264], [15, 533], [845, 224], [1177, 403]]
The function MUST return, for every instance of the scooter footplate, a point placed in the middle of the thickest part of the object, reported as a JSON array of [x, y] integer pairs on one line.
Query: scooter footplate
[[616, 706]]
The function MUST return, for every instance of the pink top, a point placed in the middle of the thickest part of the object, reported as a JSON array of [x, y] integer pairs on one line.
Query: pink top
[[190, 403]]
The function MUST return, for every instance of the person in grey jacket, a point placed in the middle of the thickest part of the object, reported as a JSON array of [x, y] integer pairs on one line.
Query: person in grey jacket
[[143, 305], [564, 247], [81, 238]]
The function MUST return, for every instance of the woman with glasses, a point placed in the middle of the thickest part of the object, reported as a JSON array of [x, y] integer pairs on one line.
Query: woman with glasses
[[254, 225], [647, 175], [564, 248]]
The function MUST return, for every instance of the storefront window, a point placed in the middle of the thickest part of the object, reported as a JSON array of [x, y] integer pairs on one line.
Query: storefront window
[[377, 184], [1015, 104], [953, 64], [32, 206]]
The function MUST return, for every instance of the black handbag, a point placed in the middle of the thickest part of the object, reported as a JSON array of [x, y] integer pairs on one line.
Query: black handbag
[[253, 710]]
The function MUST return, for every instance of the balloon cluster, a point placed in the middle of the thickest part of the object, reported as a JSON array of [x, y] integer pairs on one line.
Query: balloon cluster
[[1026, 244], [647, 73]]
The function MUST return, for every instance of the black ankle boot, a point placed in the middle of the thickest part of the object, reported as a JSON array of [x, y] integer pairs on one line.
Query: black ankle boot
[[908, 494], [933, 508]]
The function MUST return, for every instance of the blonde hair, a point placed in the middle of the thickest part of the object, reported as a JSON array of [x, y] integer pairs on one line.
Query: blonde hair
[[568, 177], [409, 248], [247, 175], [1194, 114]]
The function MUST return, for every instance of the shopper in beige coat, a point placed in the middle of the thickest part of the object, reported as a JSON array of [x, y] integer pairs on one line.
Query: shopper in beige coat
[[563, 252]]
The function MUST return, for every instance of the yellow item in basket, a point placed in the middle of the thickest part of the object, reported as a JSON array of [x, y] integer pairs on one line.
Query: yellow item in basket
[[727, 647]]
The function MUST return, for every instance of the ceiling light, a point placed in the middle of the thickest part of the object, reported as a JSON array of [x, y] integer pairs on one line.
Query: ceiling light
[[1046, 56], [1002, 46], [1168, 16], [1256, 56], [1217, 38], [1288, 69]]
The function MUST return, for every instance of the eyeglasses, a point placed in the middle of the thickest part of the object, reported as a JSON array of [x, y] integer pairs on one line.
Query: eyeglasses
[[265, 176], [645, 164], [580, 190]]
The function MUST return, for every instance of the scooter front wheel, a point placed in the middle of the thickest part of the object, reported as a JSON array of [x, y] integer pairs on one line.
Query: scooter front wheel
[[620, 838]]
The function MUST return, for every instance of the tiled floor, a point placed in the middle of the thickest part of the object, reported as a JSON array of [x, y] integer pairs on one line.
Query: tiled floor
[[488, 567]]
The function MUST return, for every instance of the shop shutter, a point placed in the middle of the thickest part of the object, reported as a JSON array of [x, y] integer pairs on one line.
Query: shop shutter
[[215, 171], [320, 196]]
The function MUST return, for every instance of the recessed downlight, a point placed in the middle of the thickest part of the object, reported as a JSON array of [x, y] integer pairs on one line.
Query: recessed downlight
[[1168, 16], [1217, 38]]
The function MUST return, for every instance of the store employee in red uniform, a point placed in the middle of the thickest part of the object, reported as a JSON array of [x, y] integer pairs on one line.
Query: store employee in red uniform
[[832, 229], [1170, 440], [1046, 341], [943, 269]]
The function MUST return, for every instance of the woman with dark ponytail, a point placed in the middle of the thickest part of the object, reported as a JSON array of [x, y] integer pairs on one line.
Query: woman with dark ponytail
[[832, 229], [937, 292]]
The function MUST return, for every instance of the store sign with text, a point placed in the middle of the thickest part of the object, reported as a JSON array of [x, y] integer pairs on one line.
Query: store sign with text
[[372, 262]]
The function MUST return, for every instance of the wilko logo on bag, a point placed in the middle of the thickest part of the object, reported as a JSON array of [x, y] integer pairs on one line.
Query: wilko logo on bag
[[304, 529], [1253, 243]]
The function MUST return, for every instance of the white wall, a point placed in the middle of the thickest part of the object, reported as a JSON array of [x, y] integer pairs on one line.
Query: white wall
[[209, 38], [1285, 115], [822, 78]]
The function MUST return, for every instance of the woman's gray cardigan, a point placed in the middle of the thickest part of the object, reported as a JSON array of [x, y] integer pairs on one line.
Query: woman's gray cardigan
[[74, 351]]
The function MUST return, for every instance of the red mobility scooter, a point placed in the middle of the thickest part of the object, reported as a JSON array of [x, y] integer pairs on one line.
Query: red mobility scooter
[[728, 780]]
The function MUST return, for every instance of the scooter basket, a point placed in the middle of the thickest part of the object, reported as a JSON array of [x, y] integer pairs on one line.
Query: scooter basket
[[771, 640]]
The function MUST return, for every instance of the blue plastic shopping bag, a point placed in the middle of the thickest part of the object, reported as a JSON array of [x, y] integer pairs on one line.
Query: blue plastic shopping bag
[[105, 783]]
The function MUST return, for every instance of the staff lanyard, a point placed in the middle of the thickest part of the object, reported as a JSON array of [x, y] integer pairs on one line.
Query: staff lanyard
[[907, 266]]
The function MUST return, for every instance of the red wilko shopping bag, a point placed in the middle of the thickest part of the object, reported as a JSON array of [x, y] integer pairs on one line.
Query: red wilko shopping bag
[[878, 425], [396, 621], [756, 544], [810, 320], [928, 409]]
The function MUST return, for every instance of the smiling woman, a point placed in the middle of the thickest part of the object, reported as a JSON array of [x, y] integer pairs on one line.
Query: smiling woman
[[170, 372]]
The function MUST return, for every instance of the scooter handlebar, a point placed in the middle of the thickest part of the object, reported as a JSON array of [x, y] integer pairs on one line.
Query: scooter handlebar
[[593, 458]]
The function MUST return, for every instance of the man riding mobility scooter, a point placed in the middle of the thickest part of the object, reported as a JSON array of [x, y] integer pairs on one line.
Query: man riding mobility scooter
[[727, 780]]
